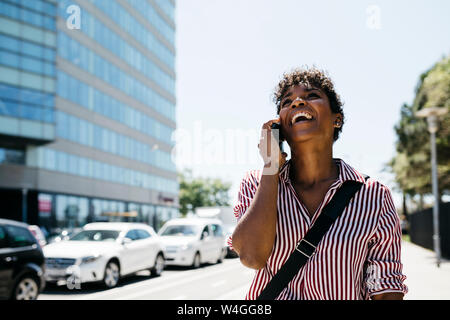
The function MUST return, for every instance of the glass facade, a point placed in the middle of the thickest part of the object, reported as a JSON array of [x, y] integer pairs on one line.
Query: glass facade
[[136, 30], [109, 141], [60, 211], [72, 51], [90, 98], [27, 59], [12, 156], [67, 163], [119, 68]]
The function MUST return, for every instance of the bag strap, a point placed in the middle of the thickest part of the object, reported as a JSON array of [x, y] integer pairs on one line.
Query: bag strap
[[307, 246]]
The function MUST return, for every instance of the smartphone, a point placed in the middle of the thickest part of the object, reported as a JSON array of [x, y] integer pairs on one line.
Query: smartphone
[[278, 126]]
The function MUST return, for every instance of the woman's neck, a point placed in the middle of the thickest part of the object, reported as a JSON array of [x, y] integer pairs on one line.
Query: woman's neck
[[312, 166]]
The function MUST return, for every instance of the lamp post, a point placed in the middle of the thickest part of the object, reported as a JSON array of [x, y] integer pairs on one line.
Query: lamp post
[[432, 115]]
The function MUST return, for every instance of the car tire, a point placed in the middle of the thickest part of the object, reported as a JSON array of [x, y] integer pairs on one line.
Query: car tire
[[197, 261], [27, 288], [111, 276], [158, 268]]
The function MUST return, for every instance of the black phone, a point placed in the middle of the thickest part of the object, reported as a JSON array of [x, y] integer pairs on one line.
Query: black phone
[[278, 126]]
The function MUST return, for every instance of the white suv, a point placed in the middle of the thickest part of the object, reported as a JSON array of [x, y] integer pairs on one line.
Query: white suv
[[104, 252], [193, 241]]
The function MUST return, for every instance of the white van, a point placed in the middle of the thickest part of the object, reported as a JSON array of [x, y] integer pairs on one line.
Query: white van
[[193, 241]]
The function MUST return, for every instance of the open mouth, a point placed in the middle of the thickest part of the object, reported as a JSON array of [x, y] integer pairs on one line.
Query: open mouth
[[301, 117]]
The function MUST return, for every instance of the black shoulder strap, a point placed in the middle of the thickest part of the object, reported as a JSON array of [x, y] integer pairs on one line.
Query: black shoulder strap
[[307, 246]]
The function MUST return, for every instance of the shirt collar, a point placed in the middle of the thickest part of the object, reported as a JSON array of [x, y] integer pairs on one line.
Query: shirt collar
[[346, 172]]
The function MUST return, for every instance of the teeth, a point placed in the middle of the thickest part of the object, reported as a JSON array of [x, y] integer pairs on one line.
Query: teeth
[[301, 114]]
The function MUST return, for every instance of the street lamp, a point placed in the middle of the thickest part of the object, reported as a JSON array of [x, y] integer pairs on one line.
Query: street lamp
[[432, 115]]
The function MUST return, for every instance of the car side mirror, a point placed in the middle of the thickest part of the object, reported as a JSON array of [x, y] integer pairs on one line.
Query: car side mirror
[[204, 235], [126, 241]]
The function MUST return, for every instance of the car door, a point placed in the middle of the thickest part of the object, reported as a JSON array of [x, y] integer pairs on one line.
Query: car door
[[130, 253], [219, 240], [6, 265], [148, 247], [207, 243], [22, 248]]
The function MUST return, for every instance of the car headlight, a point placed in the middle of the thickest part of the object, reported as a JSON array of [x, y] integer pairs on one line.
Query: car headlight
[[90, 259]]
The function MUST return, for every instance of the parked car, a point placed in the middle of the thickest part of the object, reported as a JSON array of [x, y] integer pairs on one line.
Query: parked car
[[193, 241], [104, 252], [21, 262], [229, 232], [38, 234], [224, 214]]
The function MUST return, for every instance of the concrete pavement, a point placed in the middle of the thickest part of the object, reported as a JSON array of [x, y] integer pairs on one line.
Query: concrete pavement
[[425, 280]]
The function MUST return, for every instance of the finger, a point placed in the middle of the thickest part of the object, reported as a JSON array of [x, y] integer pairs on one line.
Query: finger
[[270, 122]]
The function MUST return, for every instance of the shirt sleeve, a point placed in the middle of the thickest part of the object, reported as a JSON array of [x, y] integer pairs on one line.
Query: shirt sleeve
[[383, 271], [246, 193]]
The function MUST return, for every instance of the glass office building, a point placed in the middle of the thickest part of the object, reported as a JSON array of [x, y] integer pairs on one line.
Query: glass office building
[[87, 110]]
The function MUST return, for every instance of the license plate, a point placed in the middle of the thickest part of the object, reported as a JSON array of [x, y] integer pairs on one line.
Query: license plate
[[55, 272]]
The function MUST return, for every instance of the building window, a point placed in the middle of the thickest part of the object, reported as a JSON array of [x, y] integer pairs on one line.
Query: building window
[[12, 156]]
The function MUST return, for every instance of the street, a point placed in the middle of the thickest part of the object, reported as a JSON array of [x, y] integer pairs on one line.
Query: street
[[226, 281], [230, 280]]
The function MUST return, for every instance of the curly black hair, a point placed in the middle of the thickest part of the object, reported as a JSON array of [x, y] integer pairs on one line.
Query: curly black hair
[[311, 77]]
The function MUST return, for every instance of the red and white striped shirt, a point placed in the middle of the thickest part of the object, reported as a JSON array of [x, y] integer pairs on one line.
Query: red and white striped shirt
[[358, 257]]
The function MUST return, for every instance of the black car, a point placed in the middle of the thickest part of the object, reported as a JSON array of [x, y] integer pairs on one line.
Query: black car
[[21, 262]]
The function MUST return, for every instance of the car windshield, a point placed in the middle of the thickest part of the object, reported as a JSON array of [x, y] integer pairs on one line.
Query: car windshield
[[181, 230], [96, 235]]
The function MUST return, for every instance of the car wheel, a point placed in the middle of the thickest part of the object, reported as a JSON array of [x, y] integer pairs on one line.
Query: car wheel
[[112, 275], [26, 289], [196, 263], [159, 266]]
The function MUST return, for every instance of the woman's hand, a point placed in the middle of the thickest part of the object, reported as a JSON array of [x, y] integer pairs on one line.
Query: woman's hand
[[269, 148]]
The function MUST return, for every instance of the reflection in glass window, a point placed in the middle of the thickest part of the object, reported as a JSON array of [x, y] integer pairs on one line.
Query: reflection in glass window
[[71, 212], [143, 234], [96, 235], [19, 237], [3, 242], [12, 156], [180, 230]]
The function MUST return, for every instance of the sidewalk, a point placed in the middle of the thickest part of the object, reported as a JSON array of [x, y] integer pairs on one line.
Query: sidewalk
[[425, 280]]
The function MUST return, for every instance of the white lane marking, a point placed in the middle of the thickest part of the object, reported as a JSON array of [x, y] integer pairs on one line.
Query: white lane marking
[[218, 283], [175, 284]]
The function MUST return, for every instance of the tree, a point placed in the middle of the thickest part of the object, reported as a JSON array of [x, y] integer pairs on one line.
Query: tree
[[411, 165], [200, 192]]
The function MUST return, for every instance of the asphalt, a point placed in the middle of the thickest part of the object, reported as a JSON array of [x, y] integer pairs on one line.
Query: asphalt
[[424, 279]]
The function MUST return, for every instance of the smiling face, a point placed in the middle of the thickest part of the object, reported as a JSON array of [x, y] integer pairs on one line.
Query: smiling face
[[305, 114]]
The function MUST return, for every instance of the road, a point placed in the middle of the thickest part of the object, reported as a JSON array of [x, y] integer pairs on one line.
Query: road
[[229, 280]]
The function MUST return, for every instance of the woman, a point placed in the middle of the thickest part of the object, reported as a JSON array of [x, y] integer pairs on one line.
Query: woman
[[359, 256]]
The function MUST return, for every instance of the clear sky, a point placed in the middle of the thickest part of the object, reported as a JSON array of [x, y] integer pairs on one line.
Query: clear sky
[[232, 53]]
